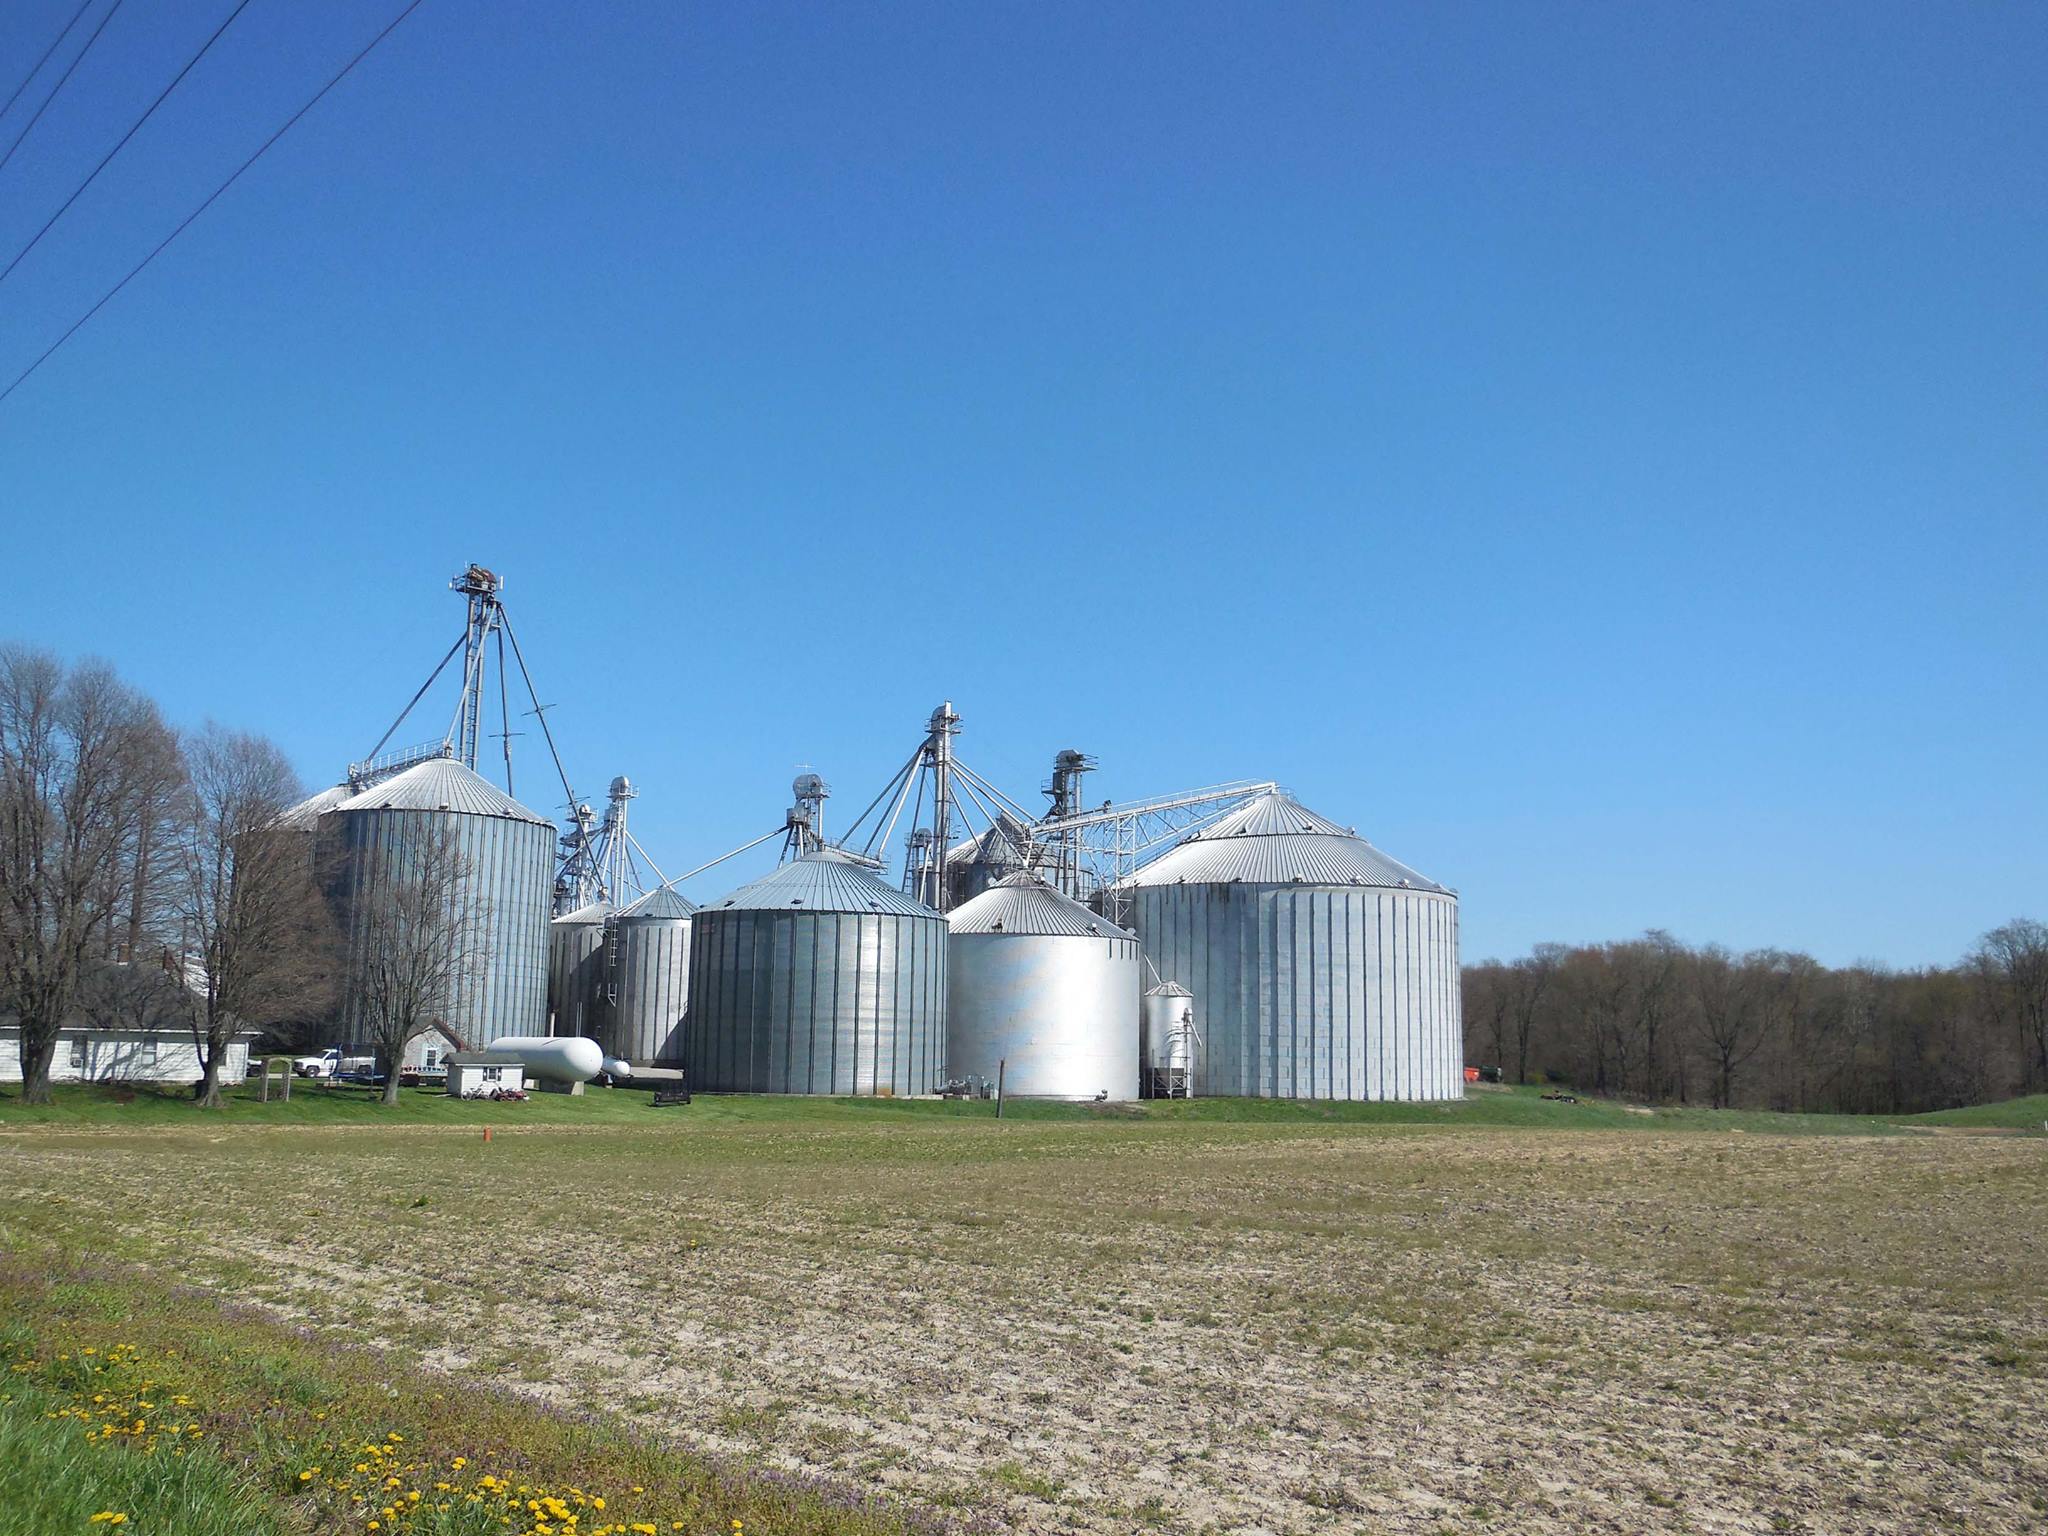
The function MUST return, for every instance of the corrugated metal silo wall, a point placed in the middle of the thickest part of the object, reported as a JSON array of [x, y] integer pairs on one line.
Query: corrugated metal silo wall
[[575, 974], [651, 981], [1061, 1010], [507, 892], [1314, 992], [816, 1002]]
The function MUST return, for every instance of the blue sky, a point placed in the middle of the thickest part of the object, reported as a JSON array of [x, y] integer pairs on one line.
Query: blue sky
[[1597, 450]]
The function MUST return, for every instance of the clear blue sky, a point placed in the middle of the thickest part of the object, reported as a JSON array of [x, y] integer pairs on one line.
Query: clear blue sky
[[1598, 450]]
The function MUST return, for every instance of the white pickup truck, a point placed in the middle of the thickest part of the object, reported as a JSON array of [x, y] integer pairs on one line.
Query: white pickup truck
[[331, 1063]]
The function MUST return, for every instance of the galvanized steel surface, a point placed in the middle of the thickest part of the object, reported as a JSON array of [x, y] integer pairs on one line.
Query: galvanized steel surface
[[650, 980], [503, 898], [576, 969], [1166, 1029], [1273, 840], [1058, 1012], [1320, 967], [1314, 992], [442, 784], [1023, 903], [823, 880], [817, 978], [305, 816]]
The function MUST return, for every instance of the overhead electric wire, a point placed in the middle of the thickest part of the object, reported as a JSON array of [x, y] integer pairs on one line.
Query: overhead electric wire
[[122, 144], [211, 198], [76, 59], [55, 42]]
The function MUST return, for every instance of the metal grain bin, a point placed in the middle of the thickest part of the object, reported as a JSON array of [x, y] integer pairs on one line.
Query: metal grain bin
[[1320, 967], [1039, 983], [503, 900], [577, 953], [305, 816], [650, 980], [817, 978], [1167, 1041]]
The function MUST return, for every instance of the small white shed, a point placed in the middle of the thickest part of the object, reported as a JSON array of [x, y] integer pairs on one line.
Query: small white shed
[[475, 1073]]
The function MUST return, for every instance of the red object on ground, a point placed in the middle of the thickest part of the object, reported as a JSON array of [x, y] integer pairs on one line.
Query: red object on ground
[[1471, 1074]]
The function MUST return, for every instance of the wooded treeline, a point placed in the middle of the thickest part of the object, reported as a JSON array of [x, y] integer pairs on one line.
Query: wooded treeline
[[1656, 1020]]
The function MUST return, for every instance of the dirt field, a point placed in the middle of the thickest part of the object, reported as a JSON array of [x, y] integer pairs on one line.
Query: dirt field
[[1193, 1327]]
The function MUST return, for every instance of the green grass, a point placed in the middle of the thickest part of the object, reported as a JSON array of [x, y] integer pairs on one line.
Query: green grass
[[313, 1104], [52, 1479], [2028, 1114]]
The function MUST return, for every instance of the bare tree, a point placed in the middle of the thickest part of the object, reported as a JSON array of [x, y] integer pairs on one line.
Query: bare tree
[[1532, 978], [1488, 1008], [84, 760], [245, 897], [119, 998], [2012, 962], [1655, 961], [415, 942]]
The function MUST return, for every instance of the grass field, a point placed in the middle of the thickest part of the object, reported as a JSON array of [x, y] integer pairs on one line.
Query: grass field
[[314, 1103], [1504, 1315]]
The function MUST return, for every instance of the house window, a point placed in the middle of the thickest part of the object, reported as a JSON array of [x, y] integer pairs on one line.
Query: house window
[[79, 1047], [146, 1056]]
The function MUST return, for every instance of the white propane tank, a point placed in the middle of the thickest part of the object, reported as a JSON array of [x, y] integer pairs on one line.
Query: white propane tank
[[550, 1058], [618, 1066]]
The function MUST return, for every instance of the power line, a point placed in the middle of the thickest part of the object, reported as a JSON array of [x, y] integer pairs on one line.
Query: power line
[[211, 198], [241, 6], [76, 59], [38, 69]]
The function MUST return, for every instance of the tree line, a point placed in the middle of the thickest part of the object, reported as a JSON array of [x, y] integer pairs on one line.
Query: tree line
[[1657, 1020], [149, 879]]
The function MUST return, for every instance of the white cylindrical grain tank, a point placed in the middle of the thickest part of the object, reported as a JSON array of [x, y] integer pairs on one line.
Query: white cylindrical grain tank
[[817, 978], [1320, 967], [1044, 988], [577, 947], [650, 979], [550, 1058]]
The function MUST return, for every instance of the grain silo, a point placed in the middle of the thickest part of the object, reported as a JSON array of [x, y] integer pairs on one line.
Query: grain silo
[[577, 955], [372, 847], [817, 978], [1168, 1041], [1040, 984], [305, 816], [650, 980], [1320, 967]]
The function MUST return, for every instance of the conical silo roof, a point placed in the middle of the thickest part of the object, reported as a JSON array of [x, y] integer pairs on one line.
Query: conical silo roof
[[304, 816], [441, 784], [1275, 840], [1023, 903], [661, 902], [824, 880], [595, 915]]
